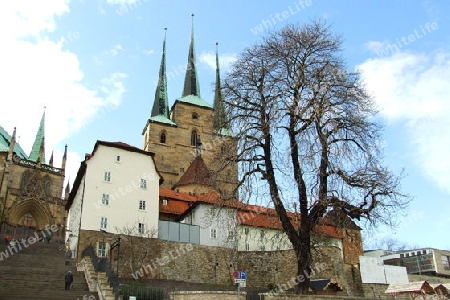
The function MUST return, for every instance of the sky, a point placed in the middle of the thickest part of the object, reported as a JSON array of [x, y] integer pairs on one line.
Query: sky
[[94, 64]]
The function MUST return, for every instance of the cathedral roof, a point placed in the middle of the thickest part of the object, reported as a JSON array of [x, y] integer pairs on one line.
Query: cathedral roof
[[193, 100], [161, 103], [5, 140], [162, 119], [191, 84], [38, 144], [220, 120]]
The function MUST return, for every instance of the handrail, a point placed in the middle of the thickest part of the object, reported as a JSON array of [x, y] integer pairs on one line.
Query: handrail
[[102, 265]]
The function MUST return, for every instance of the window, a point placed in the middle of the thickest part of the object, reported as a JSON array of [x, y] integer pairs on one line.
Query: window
[[231, 236], [407, 254], [107, 177], [164, 202], [141, 204], [143, 184], [194, 138], [262, 248], [105, 199], [118, 158], [213, 233], [101, 249], [263, 233], [162, 137], [247, 247], [181, 170], [402, 255], [424, 251], [103, 223], [445, 262], [194, 116], [246, 230], [141, 228]]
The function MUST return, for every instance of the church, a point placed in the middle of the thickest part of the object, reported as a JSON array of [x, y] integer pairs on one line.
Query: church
[[190, 128], [30, 188]]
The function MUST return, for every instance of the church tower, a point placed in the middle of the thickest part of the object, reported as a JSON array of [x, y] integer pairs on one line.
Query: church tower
[[192, 130]]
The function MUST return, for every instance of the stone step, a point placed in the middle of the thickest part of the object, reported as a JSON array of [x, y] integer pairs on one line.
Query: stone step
[[37, 272], [14, 294]]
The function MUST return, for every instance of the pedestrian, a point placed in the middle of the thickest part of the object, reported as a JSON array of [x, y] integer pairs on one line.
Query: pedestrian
[[7, 239], [68, 280]]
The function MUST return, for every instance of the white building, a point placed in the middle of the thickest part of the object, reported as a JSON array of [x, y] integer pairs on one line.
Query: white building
[[247, 227], [116, 191]]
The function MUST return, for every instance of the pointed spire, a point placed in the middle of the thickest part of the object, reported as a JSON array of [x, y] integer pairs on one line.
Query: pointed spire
[[67, 191], [191, 85], [161, 103], [40, 159], [64, 159], [51, 160], [220, 120], [38, 142], [12, 144]]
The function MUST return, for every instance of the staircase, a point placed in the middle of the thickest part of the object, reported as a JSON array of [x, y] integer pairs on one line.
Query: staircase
[[37, 272]]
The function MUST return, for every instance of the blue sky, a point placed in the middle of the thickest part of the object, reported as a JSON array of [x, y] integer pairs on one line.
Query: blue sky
[[94, 64]]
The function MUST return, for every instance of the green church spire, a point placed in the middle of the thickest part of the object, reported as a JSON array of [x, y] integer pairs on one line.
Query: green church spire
[[38, 144], [161, 103], [220, 121], [191, 85]]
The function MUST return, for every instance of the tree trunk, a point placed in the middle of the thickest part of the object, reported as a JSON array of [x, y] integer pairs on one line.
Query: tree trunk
[[303, 253]]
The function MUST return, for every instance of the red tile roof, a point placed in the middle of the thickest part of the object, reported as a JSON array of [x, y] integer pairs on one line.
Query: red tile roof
[[264, 217], [173, 207], [177, 202]]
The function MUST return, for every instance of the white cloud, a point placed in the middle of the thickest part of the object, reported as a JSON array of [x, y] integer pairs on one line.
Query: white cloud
[[225, 60], [413, 89], [36, 72], [114, 51]]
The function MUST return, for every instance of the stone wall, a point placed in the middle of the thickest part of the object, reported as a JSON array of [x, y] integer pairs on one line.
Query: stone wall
[[202, 264], [375, 290]]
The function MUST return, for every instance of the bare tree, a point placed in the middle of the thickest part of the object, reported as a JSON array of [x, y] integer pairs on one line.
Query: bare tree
[[138, 243], [307, 136]]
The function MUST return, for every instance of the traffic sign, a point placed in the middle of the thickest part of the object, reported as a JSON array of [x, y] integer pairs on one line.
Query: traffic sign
[[243, 275], [239, 280], [236, 274], [243, 284]]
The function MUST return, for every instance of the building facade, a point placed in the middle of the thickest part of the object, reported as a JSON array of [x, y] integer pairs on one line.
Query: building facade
[[115, 192], [30, 188], [423, 261]]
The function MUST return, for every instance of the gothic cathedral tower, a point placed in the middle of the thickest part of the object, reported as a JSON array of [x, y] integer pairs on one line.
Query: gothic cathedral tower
[[191, 131]]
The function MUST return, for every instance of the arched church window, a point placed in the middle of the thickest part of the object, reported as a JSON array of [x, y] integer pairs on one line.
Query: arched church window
[[162, 137], [194, 138], [194, 116]]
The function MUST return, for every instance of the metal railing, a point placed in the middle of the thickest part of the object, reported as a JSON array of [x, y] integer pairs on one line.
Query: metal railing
[[102, 265]]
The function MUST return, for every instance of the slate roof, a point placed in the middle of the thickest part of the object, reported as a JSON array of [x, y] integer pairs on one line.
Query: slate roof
[[196, 173]]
